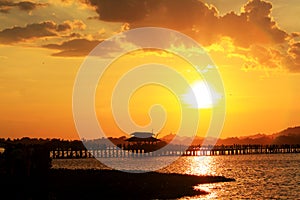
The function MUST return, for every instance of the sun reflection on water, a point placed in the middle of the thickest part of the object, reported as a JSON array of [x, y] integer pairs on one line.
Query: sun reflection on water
[[201, 165]]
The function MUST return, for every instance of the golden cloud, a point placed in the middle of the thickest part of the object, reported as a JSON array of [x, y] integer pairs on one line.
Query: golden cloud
[[253, 32], [254, 29], [6, 5]]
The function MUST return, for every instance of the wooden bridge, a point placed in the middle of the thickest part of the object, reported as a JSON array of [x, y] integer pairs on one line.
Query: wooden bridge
[[110, 152]]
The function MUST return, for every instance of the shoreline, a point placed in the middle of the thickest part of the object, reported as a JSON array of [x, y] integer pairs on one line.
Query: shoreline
[[91, 183]]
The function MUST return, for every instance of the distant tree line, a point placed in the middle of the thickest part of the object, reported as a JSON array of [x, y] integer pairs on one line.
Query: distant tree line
[[47, 143]]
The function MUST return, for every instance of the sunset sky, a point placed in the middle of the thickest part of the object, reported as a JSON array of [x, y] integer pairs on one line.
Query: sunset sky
[[255, 44]]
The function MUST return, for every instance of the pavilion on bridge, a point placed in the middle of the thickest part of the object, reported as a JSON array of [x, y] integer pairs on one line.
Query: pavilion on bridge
[[142, 138]]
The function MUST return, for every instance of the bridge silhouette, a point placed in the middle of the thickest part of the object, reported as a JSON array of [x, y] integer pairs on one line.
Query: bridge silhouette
[[197, 150]]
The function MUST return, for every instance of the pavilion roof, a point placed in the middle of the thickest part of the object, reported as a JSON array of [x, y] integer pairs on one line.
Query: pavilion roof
[[138, 139], [142, 134]]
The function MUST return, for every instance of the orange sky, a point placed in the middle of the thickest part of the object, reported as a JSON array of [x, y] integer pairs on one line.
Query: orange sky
[[255, 45]]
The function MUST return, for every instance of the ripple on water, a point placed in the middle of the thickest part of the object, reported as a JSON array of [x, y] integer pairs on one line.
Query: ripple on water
[[267, 176]]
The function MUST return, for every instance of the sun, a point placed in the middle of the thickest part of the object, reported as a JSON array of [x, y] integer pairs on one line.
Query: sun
[[200, 95]]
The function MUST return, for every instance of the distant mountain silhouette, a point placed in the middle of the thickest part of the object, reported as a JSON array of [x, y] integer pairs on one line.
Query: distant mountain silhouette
[[289, 131], [290, 135]]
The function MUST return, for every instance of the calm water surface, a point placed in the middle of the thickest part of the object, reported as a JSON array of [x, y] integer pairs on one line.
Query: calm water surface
[[264, 176]]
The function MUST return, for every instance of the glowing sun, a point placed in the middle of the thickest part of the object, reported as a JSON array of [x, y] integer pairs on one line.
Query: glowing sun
[[200, 95]]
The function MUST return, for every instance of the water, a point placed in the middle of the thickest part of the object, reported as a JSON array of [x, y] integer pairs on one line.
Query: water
[[263, 176]]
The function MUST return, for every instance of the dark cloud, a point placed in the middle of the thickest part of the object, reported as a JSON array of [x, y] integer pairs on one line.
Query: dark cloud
[[27, 5], [30, 31], [195, 18], [75, 47], [120, 10], [63, 27], [258, 15], [6, 5], [176, 14]]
